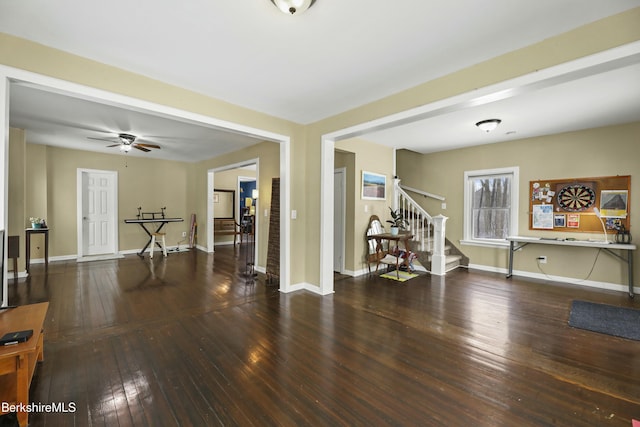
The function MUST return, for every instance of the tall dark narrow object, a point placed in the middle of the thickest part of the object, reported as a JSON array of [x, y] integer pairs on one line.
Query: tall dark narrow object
[[273, 248]]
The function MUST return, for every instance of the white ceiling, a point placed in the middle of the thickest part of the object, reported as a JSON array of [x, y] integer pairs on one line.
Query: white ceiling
[[336, 56], [548, 107], [61, 120]]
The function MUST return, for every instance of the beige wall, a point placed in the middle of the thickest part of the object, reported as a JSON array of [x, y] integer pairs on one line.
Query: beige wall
[[305, 140], [370, 157], [50, 192], [43, 183], [597, 152]]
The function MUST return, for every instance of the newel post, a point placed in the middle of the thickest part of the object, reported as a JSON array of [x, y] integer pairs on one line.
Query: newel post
[[438, 259], [396, 193]]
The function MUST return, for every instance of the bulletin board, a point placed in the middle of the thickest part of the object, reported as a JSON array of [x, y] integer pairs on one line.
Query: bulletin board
[[570, 205]]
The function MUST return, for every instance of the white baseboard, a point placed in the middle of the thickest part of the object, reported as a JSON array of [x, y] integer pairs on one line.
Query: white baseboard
[[305, 287], [99, 257], [353, 273], [560, 279], [53, 258], [21, 275]]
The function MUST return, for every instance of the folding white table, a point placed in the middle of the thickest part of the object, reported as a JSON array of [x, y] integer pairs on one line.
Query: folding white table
[[519, 242]]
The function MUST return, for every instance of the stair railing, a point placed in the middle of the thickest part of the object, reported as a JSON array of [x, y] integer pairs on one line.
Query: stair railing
[[419, 220]]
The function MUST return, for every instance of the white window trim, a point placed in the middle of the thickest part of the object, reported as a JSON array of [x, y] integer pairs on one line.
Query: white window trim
[[513, 219]]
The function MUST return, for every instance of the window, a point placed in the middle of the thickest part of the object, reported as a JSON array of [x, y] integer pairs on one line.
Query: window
[[490, 206]]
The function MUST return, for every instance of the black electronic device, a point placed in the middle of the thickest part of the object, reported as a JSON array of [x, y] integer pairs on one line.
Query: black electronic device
[[16, 337]]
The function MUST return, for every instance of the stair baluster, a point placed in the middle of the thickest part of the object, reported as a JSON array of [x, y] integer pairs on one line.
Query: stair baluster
[[421, 225]]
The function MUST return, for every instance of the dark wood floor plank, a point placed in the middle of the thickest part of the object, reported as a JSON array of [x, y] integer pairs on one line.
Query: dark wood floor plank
[[187, 340]]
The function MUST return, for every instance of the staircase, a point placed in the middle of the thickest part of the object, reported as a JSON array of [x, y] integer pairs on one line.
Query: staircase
[[428, 232], [453, 258]]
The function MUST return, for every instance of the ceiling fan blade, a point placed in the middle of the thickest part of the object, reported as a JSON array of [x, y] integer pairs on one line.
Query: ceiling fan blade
[[140, 148], [147, 145], [114, 145], [104, 139]]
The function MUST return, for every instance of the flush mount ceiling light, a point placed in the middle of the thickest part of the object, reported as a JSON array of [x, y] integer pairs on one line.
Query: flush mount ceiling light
[[293, 7], [488, 125]]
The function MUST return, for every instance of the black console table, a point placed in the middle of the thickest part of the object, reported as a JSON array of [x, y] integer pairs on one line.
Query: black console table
[[30, 232]]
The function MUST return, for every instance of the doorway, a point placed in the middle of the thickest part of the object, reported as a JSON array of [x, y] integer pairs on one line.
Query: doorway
[[97, 212], [241, 178], [8, 76]]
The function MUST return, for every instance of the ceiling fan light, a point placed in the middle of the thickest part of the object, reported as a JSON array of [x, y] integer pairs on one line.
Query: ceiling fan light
[[293, 7], [125, 147], [126, 138], [488, 125]]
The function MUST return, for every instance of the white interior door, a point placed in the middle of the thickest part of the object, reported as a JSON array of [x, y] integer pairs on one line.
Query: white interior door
[[98, 218], [339, 203]]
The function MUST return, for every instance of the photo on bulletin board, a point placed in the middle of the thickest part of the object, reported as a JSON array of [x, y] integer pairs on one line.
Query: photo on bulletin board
[[613, 203], [573, 220], [559, 220], [543, 216]]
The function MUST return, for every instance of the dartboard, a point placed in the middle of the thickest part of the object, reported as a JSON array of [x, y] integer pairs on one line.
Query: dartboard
[[576, 198]]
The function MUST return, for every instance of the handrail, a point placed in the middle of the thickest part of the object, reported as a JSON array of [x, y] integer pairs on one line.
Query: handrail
[[424, 193], [413, 203]]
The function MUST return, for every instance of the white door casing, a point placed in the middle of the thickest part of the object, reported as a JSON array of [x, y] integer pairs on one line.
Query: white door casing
[[97, 212], [339, 206]]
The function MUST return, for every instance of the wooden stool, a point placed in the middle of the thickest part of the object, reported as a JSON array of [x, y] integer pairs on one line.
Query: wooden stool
[[153, 243]]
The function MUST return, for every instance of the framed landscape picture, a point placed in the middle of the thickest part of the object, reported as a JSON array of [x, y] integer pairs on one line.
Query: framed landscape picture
[[374, 186]]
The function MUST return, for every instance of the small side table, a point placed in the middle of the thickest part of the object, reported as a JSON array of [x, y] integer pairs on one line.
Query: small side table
[[28, 233]]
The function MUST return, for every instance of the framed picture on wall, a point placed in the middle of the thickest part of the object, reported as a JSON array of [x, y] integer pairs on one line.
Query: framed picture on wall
[[374, 186]]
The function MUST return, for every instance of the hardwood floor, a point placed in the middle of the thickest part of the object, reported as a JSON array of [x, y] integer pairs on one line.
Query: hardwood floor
[[188, 341]]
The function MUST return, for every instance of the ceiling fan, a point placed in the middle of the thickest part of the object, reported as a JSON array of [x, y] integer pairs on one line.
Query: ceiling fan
[[126, 141]]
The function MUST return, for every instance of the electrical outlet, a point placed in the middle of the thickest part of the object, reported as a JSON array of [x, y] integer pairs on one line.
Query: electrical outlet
[[542, 259], [184, 234]]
